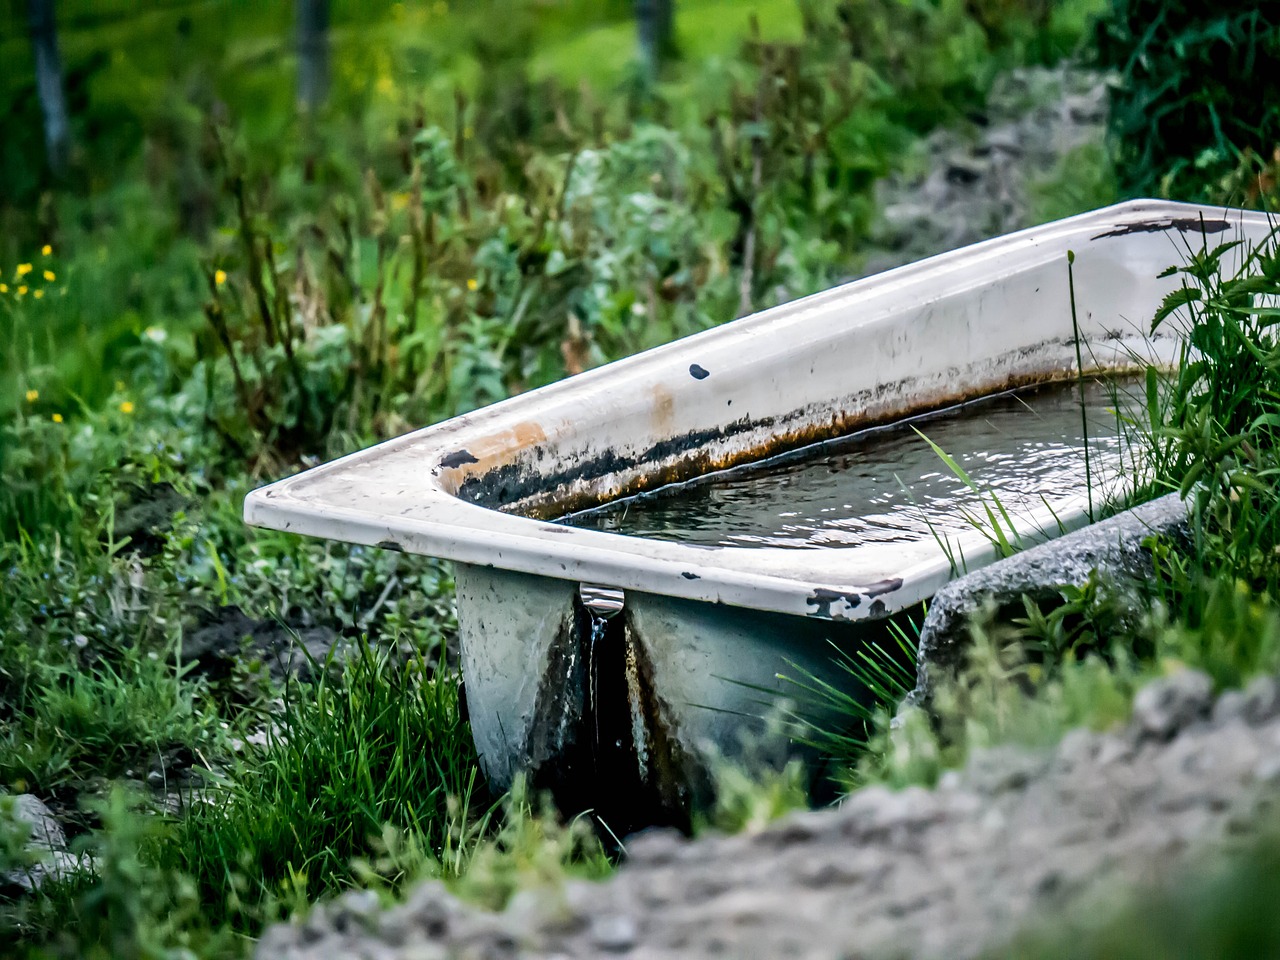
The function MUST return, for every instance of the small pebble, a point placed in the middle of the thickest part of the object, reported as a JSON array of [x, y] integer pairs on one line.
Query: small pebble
[[615, 933]]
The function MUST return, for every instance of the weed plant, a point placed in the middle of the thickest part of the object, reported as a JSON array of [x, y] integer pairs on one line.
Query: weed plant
[[1217, 445], [1187, 117], [376, 751], [1207, 431]]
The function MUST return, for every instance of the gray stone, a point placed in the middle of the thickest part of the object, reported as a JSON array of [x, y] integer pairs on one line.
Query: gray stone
[[1230, 707], [46, 846], [656, 846], [1165, 706], [1115, 548], [46, 833], [355, 908], [1261, 700], [1007, 138], [1004, 768], [614, 933]]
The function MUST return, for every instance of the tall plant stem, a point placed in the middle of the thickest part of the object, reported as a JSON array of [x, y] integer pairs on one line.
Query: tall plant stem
[[1084, 415]]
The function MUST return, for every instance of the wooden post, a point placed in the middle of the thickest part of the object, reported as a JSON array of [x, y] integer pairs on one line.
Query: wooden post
[[654, 20], [313, 53], [49, 87]]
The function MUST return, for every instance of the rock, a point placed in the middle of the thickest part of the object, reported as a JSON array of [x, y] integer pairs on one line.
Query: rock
[[46, 832], [46, 845], [656, 846], [354, 909], [996, 770], [1007, 138], [1165, 706], [1230, 707], [614, 933], [1260, 700], [1115, 548]]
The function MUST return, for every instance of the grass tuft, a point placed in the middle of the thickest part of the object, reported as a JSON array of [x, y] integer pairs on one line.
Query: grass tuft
[[376, 754]]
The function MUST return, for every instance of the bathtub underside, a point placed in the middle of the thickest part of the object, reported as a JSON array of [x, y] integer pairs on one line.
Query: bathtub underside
[[630, 725]]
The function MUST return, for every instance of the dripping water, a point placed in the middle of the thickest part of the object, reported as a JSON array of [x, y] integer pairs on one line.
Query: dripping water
[[602, 604]]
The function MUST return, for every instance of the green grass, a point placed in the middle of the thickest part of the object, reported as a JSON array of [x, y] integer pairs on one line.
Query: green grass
[[380, 755], [238, 295], [602, 55]]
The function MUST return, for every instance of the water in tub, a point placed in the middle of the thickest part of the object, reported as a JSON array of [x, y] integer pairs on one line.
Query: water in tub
[[1023, 448]]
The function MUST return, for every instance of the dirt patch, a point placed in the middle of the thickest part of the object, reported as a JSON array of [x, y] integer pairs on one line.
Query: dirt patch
[[227, 635], [1017, 836]]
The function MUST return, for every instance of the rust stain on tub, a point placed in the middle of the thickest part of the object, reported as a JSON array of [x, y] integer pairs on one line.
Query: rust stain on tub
[[489, 453], [599, 473], [664, 410]]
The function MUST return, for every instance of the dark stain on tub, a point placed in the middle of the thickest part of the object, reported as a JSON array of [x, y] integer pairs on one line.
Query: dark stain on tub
[[389, 545], [697, 372], [1161, 224], [822, 599], [881, 587], [690, 576], [602, 739], [458, 458], [507, 485]]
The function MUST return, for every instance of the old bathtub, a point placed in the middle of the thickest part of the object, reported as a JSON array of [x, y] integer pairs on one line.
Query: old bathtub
[[633, 705]]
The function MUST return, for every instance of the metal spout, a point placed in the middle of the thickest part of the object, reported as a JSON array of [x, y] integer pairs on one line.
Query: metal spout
[[601, 602]]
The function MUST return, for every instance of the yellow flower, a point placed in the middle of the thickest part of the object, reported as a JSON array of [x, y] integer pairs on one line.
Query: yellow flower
[[56, 418], [126, 406], [4, 288], [33, 396], [24, 269], [50, 276], [219, 277], [22, 290], [46, 250], [38, 294], [473, 284]]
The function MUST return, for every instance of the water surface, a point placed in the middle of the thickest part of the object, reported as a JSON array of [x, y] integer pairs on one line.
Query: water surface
[[886, 484]]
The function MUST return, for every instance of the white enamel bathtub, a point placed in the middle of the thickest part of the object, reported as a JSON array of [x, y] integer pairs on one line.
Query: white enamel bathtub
[[688, 659]]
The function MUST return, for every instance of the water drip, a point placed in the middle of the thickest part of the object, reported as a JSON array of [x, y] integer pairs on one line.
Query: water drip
[[602, 604]]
